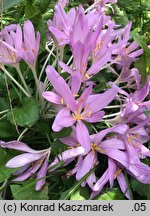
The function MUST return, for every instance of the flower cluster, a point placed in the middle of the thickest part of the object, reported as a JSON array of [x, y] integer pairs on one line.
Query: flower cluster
[[15, 45], [96, 43]]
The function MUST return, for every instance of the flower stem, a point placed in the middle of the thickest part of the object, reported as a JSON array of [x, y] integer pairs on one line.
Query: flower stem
[[10, 76], [22, 78]]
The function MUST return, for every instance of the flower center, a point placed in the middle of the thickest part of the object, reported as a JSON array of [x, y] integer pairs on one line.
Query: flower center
[[77, 117]]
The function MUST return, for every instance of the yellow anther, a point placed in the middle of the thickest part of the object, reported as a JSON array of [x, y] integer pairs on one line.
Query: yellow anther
[[97, 47], [137, 145], [83, 64], [62, 101], [14, 55], [130, 138], [137, 135], [87, 76], [70, 147], [85, 108], [76, 95], [117, 173], [102, 42], [94, 147], [89, 114], [67, 106], [77, 117]]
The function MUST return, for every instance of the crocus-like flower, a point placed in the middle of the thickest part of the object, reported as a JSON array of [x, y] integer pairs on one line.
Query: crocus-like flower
[[31, 43], [135, 100], [113, 172], [87, 107], [10, 44], [29, 163], [87, 160]]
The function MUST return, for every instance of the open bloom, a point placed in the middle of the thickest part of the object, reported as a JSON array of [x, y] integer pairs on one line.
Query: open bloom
[[31, 43], [111, 147], [87, 107], [29, 163]]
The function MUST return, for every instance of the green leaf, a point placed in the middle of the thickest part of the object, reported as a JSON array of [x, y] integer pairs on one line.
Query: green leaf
[[26, 191], [143, 63], [30, 10], [4, 104], [80, 194], [26, 115], [8, 4], [6, 129], [141, 189], [114, 194], [4, 171], [42, 5], [65, 132], [66, 194]]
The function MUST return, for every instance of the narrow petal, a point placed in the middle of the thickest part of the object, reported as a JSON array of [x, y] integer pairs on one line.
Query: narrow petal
[[62, 89], [52, 97], [41, 174], [96, 117], [86, 166], [117, 155], [17, 145], [112, 143], [97, 66], [29, 172], [99, 101], [68, 154], [75, 83], [120, 129], [101, 182], [91, 180], [62, 119], [123, 185], [83, 135], [23, 159], [112, 170], [65, 67]]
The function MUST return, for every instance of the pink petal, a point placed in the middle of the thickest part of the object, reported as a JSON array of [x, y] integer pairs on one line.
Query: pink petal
[[83, 135]]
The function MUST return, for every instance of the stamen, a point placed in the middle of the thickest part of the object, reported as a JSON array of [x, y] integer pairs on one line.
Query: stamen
[[76, 95], [85, 108], [102, 42], [77, 117], [89, 114], [130, 138], [137, 145], [117, 173], [83, 64], [137, 135], [67, 106], [87, 76], [62, 101], [97, 47], [95, 148]]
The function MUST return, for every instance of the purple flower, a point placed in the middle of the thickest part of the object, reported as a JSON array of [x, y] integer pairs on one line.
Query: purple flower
[[87, 107], [29, 163], [135, 101], [113, 172], [31, 43], [11, 44], [87, 160]]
